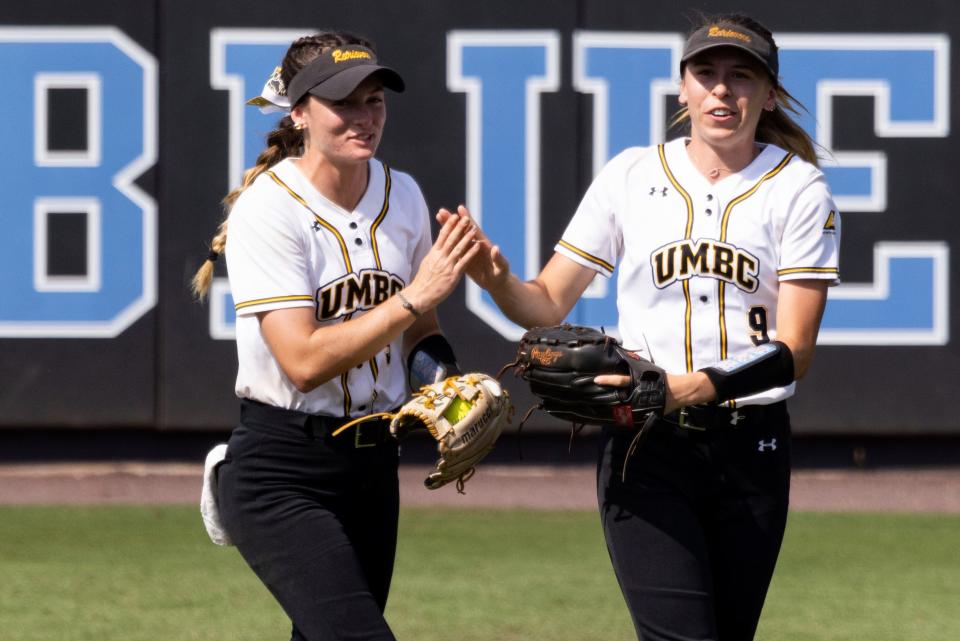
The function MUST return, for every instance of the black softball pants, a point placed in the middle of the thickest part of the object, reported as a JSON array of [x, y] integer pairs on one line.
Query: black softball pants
[[695, 529], [315, 517]]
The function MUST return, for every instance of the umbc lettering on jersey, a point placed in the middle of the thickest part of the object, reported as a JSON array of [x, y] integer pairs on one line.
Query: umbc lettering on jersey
[[630, 75], [355, 292], [705, 257]]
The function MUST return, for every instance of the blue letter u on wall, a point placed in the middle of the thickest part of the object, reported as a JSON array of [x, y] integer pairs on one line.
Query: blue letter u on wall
[[503, 74]]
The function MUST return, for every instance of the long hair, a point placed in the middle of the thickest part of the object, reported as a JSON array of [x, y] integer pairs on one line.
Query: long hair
[[284, 141], [775, 127]]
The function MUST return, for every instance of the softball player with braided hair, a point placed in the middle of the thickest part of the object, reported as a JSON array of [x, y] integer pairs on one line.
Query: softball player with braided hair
[[334, 278], [727, 241]]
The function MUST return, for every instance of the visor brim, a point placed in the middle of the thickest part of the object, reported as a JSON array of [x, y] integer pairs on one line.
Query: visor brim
[[341, 85], [764, 64]]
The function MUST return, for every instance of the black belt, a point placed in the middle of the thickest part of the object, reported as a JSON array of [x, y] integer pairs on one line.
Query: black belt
[[270, 418], [367, 434], [716, 417]]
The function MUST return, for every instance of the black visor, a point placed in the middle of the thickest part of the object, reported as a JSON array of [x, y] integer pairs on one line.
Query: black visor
[[730, 35], [337, 72]]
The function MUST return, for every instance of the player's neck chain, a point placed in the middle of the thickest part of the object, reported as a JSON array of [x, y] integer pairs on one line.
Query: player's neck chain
[[716, 172]]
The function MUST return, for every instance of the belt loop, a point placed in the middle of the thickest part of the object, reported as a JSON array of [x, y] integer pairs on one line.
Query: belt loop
[[356, 437], [682, 422], [314, 427]]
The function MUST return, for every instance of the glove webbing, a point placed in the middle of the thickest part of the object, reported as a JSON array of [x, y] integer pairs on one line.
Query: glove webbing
[[431, 398]]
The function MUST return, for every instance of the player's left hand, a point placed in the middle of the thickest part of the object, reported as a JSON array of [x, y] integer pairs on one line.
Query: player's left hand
[[620, 380], [489, 268], [614, 380], [675, 384], [443, 266]]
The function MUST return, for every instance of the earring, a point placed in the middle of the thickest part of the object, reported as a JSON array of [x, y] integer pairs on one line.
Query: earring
[[300, 126]]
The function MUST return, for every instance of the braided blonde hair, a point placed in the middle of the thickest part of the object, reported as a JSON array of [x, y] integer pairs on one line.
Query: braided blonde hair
[[284, 141]]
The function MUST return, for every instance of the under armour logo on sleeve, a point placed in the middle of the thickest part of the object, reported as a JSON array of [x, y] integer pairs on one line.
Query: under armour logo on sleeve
[[764, 446]]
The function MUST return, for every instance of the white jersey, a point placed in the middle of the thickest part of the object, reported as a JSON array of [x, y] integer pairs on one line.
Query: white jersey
[[700, 263], [289, 246]]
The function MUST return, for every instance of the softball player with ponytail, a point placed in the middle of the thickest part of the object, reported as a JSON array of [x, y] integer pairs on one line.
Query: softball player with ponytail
[[335, 282], [726, 241]]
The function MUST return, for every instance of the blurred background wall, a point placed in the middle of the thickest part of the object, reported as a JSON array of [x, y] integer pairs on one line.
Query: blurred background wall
[[124, 126]]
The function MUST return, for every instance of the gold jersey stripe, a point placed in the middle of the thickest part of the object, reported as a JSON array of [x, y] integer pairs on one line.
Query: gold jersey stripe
[[374, 369], [721, 289], [688, 326], [383, 212], [688, 231], [811, 270], [321, 221], [347, 401], [593, 259], [272, 299], [683, 192], [722, 307], [742, 197], [345, 381]]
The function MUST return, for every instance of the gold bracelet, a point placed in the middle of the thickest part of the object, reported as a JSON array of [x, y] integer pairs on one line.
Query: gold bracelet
[[407, 305]]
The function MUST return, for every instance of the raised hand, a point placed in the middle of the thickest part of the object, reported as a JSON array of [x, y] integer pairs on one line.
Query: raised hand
[[488, 268], [445, 263]]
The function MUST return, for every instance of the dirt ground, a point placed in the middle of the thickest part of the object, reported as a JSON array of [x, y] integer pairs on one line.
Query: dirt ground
[[515, 486]]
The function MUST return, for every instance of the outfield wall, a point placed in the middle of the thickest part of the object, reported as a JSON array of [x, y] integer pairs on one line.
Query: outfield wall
[[124, 126]]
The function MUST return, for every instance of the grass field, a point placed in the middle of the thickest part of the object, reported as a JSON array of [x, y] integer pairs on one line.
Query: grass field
[[150, 573]]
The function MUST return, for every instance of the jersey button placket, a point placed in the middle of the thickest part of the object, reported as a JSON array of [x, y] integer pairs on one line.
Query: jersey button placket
[[361, 241], [353, 225], [713, 211]]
